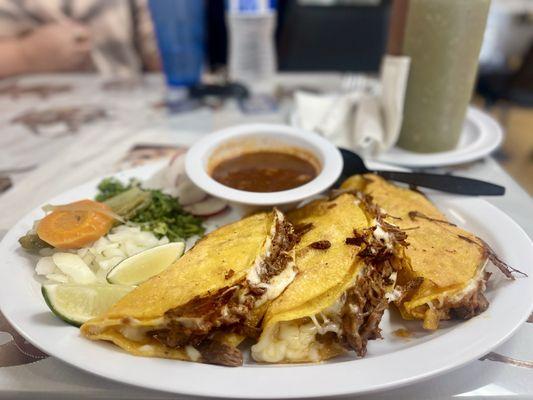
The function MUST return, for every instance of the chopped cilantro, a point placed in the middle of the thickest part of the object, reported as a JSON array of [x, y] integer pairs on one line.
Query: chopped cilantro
[[159, 213]]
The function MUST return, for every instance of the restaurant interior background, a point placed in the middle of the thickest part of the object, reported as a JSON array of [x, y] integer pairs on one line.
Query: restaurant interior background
[[345, 36]]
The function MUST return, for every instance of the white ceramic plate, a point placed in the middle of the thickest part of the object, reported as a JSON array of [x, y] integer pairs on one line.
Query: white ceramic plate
[[390, 362], [481, 135]]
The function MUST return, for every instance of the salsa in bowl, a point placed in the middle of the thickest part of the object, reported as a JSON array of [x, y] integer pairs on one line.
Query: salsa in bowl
[[263, 164]]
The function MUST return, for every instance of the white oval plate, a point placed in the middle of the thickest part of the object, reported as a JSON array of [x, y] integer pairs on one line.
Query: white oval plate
[[481, 135], [390, 362]]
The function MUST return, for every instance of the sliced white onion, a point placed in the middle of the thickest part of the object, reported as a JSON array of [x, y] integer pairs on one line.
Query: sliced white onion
[[99, 258], [110, 262], [175, 171], [60, 278], [188, 193], [73, 266], [45, 266]]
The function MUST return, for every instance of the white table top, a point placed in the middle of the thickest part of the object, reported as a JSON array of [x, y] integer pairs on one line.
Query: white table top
[[97, 148]]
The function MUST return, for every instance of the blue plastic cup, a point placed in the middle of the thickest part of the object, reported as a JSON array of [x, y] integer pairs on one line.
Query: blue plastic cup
[[179, 27]]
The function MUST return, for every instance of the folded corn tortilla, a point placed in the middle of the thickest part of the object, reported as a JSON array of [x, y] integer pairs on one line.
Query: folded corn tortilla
[[446, 262], [201, 307], [337, 300]]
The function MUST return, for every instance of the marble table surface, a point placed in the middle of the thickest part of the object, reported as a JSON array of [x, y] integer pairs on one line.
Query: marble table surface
[[45, 163]]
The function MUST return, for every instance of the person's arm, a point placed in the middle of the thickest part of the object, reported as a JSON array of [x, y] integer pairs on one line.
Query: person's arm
[[145, 36], [63, 46], [13, 60]]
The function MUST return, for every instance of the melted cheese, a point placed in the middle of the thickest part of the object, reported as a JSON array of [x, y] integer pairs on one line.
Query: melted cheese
[[295, 341], [329, 320], [470, 287], [147, 348], [277, 283], [192, 353], [134, 333], [382, 235], [287, 341], [257, 270], [394, 294]]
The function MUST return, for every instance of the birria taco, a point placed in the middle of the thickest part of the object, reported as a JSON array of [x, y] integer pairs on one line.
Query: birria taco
[[345, 279], [201, 307], [445, 264]]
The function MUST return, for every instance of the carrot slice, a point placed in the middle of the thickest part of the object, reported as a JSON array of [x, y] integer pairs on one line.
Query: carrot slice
[[76, 226]]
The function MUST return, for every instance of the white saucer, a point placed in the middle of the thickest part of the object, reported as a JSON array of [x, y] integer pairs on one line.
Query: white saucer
[[481, 136]]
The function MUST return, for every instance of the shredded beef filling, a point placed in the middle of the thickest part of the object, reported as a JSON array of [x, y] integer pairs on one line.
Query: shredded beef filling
[[470, 305], [366, 301], [229, 309], [362, 312], [302, 229], [214, 352], [321, 245], [282, 242], [473, 303], [195, 323]]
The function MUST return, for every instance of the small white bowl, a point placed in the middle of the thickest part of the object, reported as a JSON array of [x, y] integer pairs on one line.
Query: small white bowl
[[265, 136]]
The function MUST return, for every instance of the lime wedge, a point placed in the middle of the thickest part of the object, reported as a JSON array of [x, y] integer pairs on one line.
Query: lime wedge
[[75, 303], [141, 267]]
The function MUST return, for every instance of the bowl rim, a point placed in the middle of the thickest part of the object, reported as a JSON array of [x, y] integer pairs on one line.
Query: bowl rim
[[326, 151]]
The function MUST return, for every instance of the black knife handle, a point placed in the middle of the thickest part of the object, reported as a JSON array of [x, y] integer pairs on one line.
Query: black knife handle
[[445, 183]]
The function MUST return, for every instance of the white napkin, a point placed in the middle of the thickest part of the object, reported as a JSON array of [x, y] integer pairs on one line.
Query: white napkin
[[366, 117]]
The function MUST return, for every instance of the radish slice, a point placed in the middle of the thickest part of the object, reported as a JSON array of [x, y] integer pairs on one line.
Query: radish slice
[[175, 172], [156, 181], [207, 208], [176, 155], [188, 193]]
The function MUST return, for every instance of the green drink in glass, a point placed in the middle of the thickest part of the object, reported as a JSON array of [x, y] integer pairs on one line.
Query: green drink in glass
[[443, 39]]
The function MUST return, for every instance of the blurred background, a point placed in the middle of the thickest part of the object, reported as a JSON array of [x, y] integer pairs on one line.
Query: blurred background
[[205, 60]]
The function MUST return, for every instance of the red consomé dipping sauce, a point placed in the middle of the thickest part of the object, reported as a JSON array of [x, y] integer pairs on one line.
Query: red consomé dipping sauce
[[264, 171]]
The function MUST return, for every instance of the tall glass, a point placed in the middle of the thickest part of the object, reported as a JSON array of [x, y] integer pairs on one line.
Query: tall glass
[[179, 27], [443, 39]]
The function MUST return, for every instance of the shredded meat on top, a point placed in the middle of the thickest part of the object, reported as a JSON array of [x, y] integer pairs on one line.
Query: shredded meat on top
[[321, 245], [302, 229], [365, 301], [472, 304]]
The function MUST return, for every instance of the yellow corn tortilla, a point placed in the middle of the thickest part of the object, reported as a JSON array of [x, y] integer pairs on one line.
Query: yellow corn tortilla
[[199, 272], [323, 275], [436, 252]]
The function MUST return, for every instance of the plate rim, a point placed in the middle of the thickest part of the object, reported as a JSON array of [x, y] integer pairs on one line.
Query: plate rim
[[325, 391], [485, 123]]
